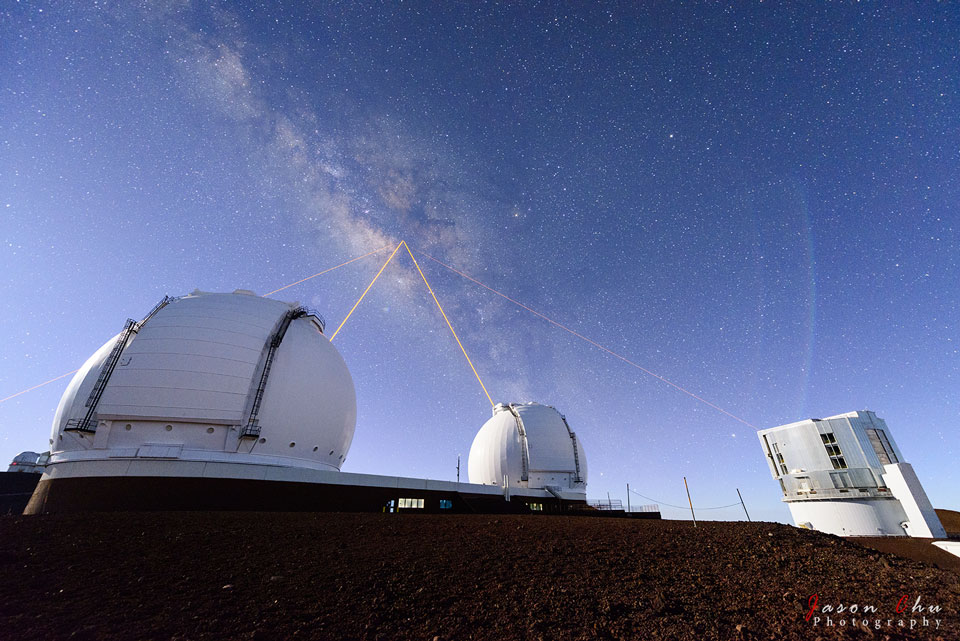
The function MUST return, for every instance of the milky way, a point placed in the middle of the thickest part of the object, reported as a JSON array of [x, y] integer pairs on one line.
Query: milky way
[[756, 203]]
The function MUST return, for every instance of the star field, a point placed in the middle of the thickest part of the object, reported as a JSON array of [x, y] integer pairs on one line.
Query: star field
[[758, 203]]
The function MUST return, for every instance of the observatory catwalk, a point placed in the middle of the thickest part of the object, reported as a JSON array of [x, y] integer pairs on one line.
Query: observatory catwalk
[[238, 402]]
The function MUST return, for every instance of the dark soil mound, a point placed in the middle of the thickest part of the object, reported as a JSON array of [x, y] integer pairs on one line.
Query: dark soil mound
[[950, 521], [917, 549], [379, 576]]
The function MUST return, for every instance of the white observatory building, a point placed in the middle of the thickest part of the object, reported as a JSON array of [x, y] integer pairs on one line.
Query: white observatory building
[[845, 475], [235, 401], [201, 377], [227, 386], [529, 446]]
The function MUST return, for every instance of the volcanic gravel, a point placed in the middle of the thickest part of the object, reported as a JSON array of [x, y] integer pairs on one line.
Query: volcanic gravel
[[950, 520], [205, 575]]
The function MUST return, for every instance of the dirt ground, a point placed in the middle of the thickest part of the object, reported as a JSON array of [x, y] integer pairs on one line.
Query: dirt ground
[[204, 575], [916, 549], [950, 520]]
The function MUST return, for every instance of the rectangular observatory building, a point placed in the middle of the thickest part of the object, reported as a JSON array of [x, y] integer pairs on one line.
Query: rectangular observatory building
[[845, 475]]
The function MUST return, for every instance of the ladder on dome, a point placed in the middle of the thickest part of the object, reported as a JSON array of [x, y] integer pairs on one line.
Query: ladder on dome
[[88, 424], [576, 450], [156, 308], [252, 428], [524, 446]]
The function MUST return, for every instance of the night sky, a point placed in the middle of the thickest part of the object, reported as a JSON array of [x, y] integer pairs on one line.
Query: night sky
[[758, 203]]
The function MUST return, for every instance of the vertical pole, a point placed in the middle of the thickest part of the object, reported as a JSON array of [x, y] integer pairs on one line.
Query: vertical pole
[[458, 468], [744, 505], [690, 501], [609, 502], [628, 497]]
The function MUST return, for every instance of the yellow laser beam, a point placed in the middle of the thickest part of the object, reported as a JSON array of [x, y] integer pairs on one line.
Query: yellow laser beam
[[440, 307], [376, 251], [302, 280], [594, 343], [366, 290], [30, 389]]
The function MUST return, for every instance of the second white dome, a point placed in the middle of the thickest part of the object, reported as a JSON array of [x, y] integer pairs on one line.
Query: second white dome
[[528, 445]]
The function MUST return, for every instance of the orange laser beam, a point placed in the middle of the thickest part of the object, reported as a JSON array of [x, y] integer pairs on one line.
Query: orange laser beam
[[30, 389], [376, 251], [448, 322], [594, 343], [367, 290]]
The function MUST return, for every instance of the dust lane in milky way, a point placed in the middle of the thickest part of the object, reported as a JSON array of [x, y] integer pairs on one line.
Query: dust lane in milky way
[[756, 203]]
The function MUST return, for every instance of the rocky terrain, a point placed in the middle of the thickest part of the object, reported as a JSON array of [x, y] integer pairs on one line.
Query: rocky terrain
[[950, 521], [446, 577]]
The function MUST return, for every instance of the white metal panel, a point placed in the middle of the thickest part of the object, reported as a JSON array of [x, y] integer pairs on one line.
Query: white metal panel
[[844, 512], [583, 463], [923, 520], [160, 450], [195, 359], [187, 376], [851, 517], [169, 360], [260, 470], [179, 379], [206, 334], [168, 467], [175, 404], [309, 400], [235, 471], [857, 451], [496, 450], [953, 547], [186, 346], [72, 402], [231, 319], [549, 442]]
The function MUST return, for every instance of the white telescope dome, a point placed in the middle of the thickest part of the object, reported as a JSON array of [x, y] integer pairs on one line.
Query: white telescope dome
[[528, 445], [215, 377]]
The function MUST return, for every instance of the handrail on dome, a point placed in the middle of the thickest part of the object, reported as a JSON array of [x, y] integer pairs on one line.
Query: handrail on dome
[[252, 428], [315, 314], [576, 448], [88, 423], [524, 445], [156, 308]]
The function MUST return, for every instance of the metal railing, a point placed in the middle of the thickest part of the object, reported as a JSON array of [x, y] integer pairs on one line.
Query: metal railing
[[606, 504], [252, 427]]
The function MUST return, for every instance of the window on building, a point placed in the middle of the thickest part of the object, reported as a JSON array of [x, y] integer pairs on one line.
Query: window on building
[[779, 461], [881, 445], [773, 461], [535, 507], [840, 479], [416, 504], [446, 504], [833, 451]]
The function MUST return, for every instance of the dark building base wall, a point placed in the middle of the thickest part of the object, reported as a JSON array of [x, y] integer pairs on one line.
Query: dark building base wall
[[137, 493], [15, 490]]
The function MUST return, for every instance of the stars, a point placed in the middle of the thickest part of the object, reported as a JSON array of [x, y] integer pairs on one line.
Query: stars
[[632, 181]]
